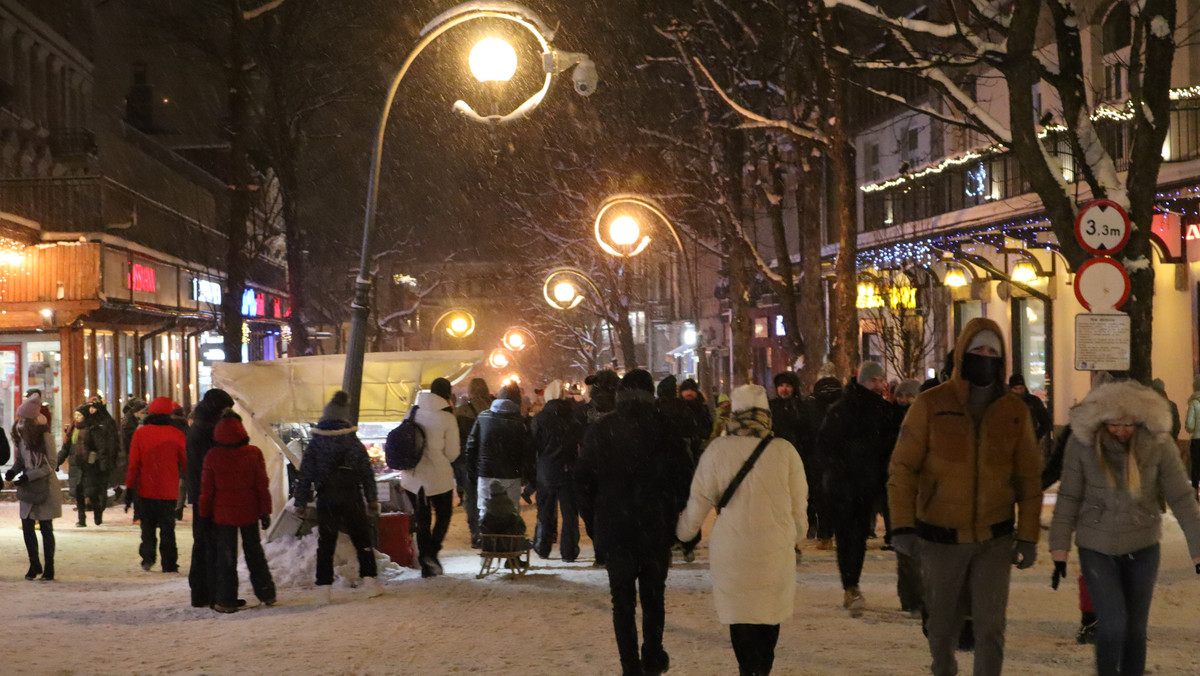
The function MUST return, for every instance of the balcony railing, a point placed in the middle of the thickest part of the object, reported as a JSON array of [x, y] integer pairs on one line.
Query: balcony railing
[[72, 143], [998, 176]]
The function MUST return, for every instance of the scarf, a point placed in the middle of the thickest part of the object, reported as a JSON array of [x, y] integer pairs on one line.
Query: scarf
[[754, 422]]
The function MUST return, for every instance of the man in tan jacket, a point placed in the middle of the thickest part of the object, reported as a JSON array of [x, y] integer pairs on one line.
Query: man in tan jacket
[[964, 489]]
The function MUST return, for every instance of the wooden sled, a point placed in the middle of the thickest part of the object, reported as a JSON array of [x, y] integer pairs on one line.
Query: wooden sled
[[499, 552]]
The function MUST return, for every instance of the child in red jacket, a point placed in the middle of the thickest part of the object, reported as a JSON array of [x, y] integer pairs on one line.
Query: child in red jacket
[[234, 492]]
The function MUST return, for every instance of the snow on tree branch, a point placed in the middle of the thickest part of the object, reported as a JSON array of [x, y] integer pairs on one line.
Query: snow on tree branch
[[759, 120], [251, 14]]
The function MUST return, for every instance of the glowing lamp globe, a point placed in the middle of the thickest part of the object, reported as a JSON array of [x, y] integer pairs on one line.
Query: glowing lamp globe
[[514, 340], [564, 292], [458, 326], [1024, 273], [624, 231], [955, 278], [493, 60]]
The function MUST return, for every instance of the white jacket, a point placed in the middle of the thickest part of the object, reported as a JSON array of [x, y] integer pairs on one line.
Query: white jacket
[[752, 546], [434, 473]]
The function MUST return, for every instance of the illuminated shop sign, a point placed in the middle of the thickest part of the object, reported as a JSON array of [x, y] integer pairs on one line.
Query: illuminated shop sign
[[206, 291], [900, 296], [253, 303], [140, 278]]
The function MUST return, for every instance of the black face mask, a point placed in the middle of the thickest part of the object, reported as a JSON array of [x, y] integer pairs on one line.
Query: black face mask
[[980, 370]]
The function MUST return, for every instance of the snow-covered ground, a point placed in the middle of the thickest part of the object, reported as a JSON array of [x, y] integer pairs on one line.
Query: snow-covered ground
[[104, 615]]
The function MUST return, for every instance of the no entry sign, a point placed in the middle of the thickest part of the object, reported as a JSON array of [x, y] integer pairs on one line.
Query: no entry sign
[[1101, 285], [1102, 227]]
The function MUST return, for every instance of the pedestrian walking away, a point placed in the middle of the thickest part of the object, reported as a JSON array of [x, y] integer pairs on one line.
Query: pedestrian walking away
[[1120, 462], [965, 496], [235, 494], [478, 401], [430, 485], [556, 442], [157, 458], [633, 471], [337, 468], [761, 522], [202, 572], [38, 488]]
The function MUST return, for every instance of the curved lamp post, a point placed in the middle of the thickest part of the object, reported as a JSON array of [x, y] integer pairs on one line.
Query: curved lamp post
[[490, 62], [561, 288], [518, 338], [500, 358], [459, 322], [621, 235]]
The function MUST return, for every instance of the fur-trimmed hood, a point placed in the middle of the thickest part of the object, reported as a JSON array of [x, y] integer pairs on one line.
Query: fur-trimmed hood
[[1118, 400]]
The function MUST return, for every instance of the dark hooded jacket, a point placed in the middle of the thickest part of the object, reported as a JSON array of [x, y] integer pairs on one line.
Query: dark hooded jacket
[[334, 445], [681, 417], [790, 417], [200, 436], [856, 440], [635, 474], [556, 440], [499, 446], [957, 482]]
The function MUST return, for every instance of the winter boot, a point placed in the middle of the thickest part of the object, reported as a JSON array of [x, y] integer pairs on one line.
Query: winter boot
[[371, 587], [35, 569], [99, 516], [1087, 628], [853, 601], [48, 574]]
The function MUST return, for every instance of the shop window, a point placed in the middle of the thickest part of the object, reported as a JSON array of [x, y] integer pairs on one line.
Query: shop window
[[965, 311], [760, 328], [1029, 341]]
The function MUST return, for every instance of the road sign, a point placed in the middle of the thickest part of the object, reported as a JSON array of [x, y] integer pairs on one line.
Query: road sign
[[1102, 342], [1102, 227], [1101, 285]]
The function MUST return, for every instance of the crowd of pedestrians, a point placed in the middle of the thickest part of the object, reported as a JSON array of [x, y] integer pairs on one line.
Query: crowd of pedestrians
[[956, 467]]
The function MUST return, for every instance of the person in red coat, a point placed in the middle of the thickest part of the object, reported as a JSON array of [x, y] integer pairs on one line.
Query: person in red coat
[[235, 494], [157, 458]]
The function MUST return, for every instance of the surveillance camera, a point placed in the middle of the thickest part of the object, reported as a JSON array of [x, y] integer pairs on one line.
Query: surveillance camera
[[585, 78]]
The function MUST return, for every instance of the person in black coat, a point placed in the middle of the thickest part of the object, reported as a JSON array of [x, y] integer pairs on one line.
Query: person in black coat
[[202, 574], [790, 421], [1042, 425], [478, 401], [556, 440], [856, 440], [634, 472], [500, 449], [602, 392], [826, 392]]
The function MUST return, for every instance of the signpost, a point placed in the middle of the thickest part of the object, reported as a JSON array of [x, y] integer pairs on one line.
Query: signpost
[[1102, 335]]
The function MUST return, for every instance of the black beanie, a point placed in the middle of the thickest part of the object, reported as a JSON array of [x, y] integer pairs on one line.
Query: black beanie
[[1016, 379], [638, 379]]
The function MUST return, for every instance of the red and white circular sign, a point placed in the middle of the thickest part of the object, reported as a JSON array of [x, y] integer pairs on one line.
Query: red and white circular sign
[[1102, 227], [1101, 285]]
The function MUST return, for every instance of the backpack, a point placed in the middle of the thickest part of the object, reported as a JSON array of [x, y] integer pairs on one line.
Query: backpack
[[405, 444], [342, 486]]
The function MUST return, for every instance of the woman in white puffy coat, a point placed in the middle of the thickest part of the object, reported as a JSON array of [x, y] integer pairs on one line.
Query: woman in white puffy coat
[[430, 485], [752, 546]]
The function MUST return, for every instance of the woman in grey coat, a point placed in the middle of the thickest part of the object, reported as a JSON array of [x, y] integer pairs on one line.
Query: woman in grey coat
[[1120, 461], [32, 436]]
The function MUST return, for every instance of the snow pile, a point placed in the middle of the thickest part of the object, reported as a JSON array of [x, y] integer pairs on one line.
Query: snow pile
[[293, 563]]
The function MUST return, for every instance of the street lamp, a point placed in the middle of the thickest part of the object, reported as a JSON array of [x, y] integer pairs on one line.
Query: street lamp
[[499, 358], [494, 62], [561, 287], [518, 338], [625, 240], [460, 323]]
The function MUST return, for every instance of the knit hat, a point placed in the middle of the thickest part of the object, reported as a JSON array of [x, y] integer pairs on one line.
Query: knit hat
[[230, 432], [788, 377], [442, 388], [133, 405], [1016, 379], [30, 407], [638, 379], [216, 399], [689, 384], [161, 406], [747, 397], [827, 386], [338, 407], [667, 388], [908, 387], [987, 338], [868, 370], [722, 398]]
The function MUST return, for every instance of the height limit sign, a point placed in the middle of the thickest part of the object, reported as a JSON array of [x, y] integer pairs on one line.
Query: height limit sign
[[1102, 227]]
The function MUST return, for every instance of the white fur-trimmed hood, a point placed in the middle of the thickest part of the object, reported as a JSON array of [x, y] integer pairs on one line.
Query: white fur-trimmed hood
[[1118, 400]]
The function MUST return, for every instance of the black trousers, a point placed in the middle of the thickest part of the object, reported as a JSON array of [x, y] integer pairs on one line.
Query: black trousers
[[819, 518], [351, 518], [550, 499], [29, 531], [853, 511], [1194, 452], [224, 542], [754, 646], [630, 576], [98, 497], [201, 575], [432, 520], [158, 532], [471, 505]]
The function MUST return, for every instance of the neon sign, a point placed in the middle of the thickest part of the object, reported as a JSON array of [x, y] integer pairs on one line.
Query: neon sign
[[253, 304], [140, 278], [206, 291]]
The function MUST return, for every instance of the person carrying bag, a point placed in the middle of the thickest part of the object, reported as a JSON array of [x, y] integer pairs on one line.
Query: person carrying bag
[[38, 488]]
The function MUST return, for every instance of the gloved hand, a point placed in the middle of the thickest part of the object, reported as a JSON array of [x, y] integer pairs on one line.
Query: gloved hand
[[21, 480], [93, 457], [265, 521], [10, 474], [527, 493], [128, 500], [1060, 571], [905, 543], [1024, 554]]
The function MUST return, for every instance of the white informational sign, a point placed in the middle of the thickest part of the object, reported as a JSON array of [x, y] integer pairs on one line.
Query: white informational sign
[[1102, 227], [1102, 342], [1101, 285]]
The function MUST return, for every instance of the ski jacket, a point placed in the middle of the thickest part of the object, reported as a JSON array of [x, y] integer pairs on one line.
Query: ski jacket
[[157, 456], [234, 490], [499, 446], [434, 473]]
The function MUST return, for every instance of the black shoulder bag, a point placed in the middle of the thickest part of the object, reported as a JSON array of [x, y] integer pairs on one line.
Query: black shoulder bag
[[737, 479]]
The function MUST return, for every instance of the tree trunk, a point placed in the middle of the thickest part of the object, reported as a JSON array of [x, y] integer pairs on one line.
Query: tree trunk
[[811, 285], [625, 338], [237, 261], [844, 312], [785, 292], [735, 265]]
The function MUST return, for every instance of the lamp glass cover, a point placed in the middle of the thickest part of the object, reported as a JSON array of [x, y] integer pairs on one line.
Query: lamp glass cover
[[492, 60]]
